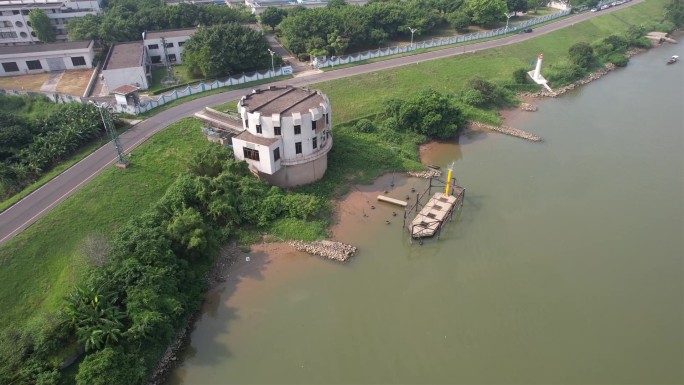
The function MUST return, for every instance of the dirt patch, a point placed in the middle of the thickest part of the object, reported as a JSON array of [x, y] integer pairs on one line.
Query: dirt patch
[[24, 82], [74, 82]]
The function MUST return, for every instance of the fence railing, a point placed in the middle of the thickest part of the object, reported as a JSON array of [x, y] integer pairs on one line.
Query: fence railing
[[324, 61], [148, 103]]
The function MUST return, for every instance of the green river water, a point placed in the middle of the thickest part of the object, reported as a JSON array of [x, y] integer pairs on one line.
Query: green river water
[[565, 265]]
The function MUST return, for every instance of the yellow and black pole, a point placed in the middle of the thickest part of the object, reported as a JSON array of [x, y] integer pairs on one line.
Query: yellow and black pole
[[448, 182]]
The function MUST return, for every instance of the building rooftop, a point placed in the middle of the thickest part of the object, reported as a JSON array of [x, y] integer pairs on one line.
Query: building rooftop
[[125, 89], [64, 46], [125, 55], [248, 137], [169, 33], [282, 100]]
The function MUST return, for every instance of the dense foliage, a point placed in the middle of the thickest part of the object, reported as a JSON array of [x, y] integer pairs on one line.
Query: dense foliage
[[584, 57], [675, 12], [127, 311], [126, 20], [429, 114], [316, 30], [41, 26], [225, 49], [30, 146]]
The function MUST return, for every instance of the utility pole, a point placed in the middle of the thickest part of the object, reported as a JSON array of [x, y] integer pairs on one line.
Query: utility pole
[[108, 123], [170, 78]]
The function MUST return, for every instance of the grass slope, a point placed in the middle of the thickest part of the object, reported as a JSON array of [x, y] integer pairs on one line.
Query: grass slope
[[365, 94], [40, 265]]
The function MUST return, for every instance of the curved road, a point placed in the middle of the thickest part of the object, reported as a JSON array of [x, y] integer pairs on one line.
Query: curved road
[[25, 212]]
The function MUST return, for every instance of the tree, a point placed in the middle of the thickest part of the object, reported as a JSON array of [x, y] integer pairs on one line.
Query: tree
[[582, 54], [429, 113], [337, 43], [516, 6], [110, 366], [272, 16], [486, 12], [226, 49], [675, 12], [459, 21], [41, 26]]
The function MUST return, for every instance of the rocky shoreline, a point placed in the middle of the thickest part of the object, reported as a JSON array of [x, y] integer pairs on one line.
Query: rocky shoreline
[[508, 131], [336, 251], [427, 174]]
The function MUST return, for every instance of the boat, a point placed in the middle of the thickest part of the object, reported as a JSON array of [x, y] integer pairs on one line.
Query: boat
[[673, 59]]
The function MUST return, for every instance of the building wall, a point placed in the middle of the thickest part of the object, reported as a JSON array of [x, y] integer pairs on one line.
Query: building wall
[[266, 162], [174, 47], [311, 162], [298, 175], [49, 61], [122, 76], [14, 20], [258, 7]]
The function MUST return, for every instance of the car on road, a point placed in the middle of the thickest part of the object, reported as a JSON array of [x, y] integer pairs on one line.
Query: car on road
[[528, 30]]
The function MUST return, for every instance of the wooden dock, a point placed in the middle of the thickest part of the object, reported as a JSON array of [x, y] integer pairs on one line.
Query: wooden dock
[[438, 210]]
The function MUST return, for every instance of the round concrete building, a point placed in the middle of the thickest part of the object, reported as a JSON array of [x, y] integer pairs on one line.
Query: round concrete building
[[286, 137]]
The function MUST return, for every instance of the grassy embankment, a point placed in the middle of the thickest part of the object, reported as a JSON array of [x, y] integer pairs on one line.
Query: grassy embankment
[[41, 265]]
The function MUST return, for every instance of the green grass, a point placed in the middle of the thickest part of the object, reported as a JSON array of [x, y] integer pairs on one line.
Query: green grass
[[227, 106], [365, 94], [7, 203], [159, 74], [292, 228], [40, 265]]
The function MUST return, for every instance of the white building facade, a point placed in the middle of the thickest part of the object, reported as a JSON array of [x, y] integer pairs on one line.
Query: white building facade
[[259, 6], [38, 58], [287, 134], [15, 27], [174, 41], [127, 64]]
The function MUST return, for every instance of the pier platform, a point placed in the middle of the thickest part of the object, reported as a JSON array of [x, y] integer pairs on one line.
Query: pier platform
[[432, 216]]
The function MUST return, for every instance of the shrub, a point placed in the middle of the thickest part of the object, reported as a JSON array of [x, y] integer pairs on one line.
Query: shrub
[[459, 21], [582, 54], [110, 367], [473, 97], [365, 126], [304, 57], [520, 76], [564, 73], [618, 59]]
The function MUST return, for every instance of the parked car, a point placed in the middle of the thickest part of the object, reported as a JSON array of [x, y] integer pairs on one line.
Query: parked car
[[528, 30]]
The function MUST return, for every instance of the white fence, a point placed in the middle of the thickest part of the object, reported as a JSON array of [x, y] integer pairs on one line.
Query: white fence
[[323, 61], [148, 103]]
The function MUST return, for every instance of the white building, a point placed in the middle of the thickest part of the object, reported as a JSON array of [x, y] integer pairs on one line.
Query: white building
[[174, 39], [37, 58], [127, 64], [287, 134], [15, 27]]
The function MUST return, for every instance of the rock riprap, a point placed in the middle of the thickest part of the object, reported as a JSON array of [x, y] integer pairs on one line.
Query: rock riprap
[[508, 131], [337, 251]]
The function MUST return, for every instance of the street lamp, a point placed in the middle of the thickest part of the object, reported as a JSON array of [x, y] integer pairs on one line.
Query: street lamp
[[272, 66], [332, 60], [508, 17], [412, 31]]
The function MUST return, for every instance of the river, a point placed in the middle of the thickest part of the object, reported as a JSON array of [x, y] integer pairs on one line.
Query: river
[[565, 264]]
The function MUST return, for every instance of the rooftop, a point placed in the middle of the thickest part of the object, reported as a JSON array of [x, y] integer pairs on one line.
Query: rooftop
[[125, 55], [248, 137], [125, 90], [282, 100], [169, 33], [63, 46]]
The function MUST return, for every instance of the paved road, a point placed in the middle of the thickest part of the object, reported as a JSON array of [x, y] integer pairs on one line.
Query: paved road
[[25, 212]]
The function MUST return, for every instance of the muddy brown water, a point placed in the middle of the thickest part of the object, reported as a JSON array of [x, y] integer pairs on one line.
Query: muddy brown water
[[565, 264]]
